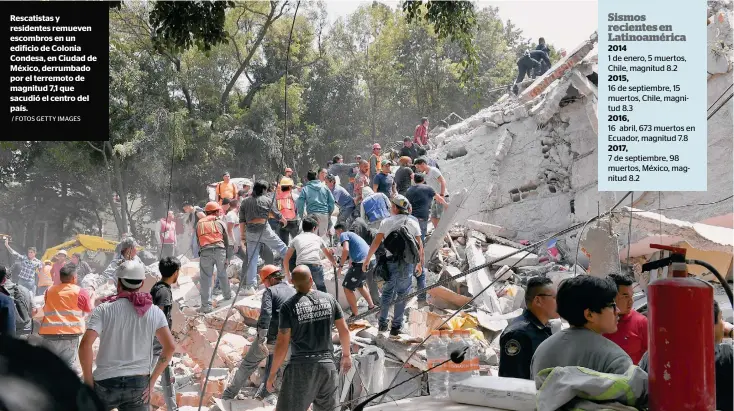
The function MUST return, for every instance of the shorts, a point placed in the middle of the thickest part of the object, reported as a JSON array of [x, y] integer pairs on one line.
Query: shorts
[[355, 277], [436, 209]]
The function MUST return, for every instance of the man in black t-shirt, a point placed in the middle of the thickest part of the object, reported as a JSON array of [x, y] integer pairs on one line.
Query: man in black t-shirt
[[306, 320], [404, 175], [421, 196], [163, 298]]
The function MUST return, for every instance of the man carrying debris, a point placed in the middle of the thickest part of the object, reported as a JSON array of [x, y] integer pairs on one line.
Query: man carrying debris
[[375, 207], [306, 320], [30, 267], [375, 160], [213, 243], [126, 323], [384, 182], [276, 293], [434, 178], [163, 299], [256, 231], [62, 325], [421, 133], [404, 175], [354, 249], [631, 334], [587, 303], [308, 247], [525, 333], [404, 247], [316, 200], [343, 199]]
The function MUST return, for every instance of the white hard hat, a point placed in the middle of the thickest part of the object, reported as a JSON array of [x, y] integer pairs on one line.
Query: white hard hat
[[62, 252], [131, 270]]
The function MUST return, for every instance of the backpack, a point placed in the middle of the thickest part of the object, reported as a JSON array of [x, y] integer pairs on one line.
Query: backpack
[[403, 246], [375, 208], [22, 306]]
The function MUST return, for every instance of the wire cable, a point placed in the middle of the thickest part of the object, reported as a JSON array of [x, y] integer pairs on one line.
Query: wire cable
[[720, 106], [259, 244], [722, 95]]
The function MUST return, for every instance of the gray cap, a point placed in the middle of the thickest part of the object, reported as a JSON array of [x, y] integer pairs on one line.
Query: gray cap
[[401, 202]]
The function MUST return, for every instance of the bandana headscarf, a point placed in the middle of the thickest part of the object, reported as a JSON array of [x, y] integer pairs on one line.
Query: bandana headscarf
[[140, 300]]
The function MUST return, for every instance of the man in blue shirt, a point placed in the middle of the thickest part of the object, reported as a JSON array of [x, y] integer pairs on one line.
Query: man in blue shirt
[[384, 182], [354, 248], [343, 199]]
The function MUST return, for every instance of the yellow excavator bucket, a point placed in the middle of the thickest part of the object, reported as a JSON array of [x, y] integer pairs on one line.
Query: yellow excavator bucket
[[82, 243]]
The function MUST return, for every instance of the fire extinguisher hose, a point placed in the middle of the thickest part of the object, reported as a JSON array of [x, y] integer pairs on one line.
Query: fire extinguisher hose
[[721, 279]]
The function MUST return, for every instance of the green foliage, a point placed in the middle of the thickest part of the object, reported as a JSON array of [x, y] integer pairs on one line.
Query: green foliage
[[179, 25]]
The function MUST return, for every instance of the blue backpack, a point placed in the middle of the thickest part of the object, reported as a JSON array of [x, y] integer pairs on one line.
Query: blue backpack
[[375, 208]]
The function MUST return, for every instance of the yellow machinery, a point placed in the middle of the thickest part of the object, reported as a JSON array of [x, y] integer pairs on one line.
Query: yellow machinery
[[82, 243]]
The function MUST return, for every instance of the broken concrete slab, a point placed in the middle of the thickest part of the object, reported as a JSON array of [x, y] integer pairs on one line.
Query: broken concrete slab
[[524, 258], [450, 299], [490, 229], [427, 403], [477, 282], [400, 350], [601, 244], [446, 222]]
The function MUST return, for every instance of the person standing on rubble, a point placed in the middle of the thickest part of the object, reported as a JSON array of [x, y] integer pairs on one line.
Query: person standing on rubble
[[343, 199], [213, 243], [631, 334], [233, 232], [128, 252], [126, 323], [163, 298], [421, 133], [404, 175], [44, 277], [400, 272], [361, 180], [306, 320], [30, 267], [167, 235], [375, 207], [276, 293], [287, 205], [256, 232], [525, 333], [384, 182], [341, 170], [226, 189], [588, 304], [308, 247], [316, 200], [375, 161], [354, 250], [62, 257], [409, 149], [421, 197], [525, 66], [62, 325], [435, 179]]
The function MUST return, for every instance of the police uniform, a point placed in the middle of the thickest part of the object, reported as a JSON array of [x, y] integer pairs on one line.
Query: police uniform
[[518, 343]]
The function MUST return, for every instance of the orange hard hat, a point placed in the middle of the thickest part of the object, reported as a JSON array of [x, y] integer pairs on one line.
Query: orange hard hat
[[267, 271], [212, 206]]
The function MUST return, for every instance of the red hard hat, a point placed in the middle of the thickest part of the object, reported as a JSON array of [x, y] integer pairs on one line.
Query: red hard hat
[[376, 146], [212, 206], [267, 271]]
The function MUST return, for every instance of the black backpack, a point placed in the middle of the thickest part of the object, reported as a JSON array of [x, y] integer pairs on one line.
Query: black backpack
[[23, 316], [403, 246]]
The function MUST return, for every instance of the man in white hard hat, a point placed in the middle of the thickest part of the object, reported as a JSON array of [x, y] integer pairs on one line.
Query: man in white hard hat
[[126, 323]]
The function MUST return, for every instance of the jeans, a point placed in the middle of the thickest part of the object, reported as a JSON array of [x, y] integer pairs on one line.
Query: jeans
[[248, 365], [309, 383], [317, 272], [423, 224], [123, 393], [209, 258], [399, 286], [271, 240], [169, 391], [30, 285]]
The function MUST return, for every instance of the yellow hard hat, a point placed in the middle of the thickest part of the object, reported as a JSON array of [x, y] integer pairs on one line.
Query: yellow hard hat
[[285, 181]]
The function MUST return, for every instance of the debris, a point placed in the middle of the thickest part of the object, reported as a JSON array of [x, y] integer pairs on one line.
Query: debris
[[497, 392], [437, 237], [524, 258], [601, 244], [448, 297], [494, 233]]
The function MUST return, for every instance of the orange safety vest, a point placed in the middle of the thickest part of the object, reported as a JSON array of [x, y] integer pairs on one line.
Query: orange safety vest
[[61, 313], [208, 231], [44, 277], [286, 205]]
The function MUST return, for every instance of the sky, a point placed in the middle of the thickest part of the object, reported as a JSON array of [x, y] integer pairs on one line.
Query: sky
[[564, 24]]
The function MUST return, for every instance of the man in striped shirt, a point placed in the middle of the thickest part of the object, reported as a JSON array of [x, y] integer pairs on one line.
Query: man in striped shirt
[[30, 266]]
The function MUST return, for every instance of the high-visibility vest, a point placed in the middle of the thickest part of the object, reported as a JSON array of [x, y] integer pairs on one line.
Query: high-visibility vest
[[61, 313], [286, 205], [44, 277], [208, 231]]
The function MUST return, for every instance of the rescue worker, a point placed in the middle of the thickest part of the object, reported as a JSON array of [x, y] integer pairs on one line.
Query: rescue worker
[[306, 320], [226, 189], [375, 207], [631, 334], [375, 162], [522, 337], [287, 206], [316, 200], [342, 199], [435, 179], [213, 243], [525, 65], [404, 175], [194, 215], [30, 267], [276, 293], [62, 325], [420, 136], [308, 247]]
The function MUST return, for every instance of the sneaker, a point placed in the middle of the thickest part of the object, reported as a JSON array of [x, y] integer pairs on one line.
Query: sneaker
[[382, 328], [247, 290], [395, 333], [205, 310]]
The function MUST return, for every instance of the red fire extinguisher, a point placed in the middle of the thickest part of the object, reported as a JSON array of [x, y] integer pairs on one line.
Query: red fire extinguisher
[[681, 328]]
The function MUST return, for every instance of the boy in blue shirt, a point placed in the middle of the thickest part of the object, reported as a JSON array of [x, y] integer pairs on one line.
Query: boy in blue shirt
[[354, 248]]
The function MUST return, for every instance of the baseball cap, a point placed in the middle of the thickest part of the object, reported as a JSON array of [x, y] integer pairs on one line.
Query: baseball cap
[[386, 163], [376, 146], [131, 270], [401, 202]]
